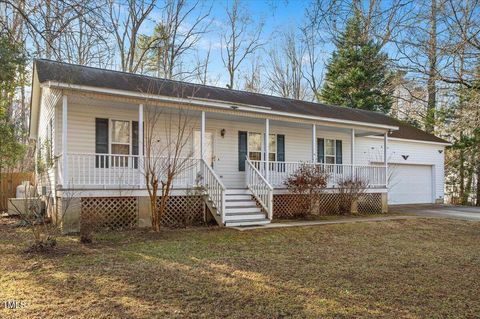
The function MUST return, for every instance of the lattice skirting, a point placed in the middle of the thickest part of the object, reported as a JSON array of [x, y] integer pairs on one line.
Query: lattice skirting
[[122, 212], [109, 212], [286, 206], [183, 211]]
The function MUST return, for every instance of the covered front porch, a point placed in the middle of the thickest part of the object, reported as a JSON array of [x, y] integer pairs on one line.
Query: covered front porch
[[231, 151]]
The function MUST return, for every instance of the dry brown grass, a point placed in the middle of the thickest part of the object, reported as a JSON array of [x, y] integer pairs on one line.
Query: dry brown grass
[[410, 269]]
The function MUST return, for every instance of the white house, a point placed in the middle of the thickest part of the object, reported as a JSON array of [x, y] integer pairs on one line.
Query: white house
[[92, 121]]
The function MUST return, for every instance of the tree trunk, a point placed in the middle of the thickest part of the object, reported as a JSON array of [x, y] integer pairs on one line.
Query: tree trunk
[[432, 60], [478, 185]]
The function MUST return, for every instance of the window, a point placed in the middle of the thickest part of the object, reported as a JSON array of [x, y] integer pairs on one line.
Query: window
[[272, 148], [329, 151], [255, 146], [120, 143]]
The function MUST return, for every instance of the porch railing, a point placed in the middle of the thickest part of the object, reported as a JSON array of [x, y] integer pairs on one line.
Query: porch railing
[[91, 170], [214, 188], [260, 187], [279, 172]]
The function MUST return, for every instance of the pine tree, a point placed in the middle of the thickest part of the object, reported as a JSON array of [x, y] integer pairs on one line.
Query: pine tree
[[357, 74]]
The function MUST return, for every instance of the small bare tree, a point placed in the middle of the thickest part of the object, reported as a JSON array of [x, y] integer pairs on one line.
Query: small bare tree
[[36, 207], [309, 183], [168, 153]]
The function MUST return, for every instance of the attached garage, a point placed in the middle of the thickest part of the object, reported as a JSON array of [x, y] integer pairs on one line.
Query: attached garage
[[410, 184]]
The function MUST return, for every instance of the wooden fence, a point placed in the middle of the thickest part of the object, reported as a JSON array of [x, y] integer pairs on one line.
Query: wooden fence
[[8, 186]]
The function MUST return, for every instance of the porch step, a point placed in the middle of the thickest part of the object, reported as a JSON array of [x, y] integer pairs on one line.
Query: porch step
[[247, 222], [233, 197], [237, 191], [242, 210]]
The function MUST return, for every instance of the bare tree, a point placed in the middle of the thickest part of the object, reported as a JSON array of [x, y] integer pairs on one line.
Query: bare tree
[[180, 35], [240, 40], [168, 153], [253, 77], [126, 20], [84, 42], [285, 75], [311, 41]]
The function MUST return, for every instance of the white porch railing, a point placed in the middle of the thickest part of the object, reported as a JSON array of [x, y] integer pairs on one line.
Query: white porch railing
[[96, 171], [214, 188], [260, 187], [279, 172]]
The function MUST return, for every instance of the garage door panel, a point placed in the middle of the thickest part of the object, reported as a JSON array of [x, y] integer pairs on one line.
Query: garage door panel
[[410, 184]]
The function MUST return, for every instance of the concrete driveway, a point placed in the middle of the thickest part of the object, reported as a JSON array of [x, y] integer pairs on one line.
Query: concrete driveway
[[471, 213]]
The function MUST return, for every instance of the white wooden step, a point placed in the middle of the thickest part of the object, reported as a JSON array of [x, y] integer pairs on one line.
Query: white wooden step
[[237, 191], [238, 197], [239, 217], [238, 203], [248, 223], [254, 209]]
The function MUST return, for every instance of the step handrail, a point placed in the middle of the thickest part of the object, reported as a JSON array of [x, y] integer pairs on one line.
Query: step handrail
[[215, 190], [260, 188]]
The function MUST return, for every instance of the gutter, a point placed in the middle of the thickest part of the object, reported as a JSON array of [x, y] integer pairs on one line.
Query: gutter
[[214, 104], [410, 140]]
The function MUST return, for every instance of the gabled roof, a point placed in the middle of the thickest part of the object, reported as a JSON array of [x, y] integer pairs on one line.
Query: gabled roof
[[47, 70]]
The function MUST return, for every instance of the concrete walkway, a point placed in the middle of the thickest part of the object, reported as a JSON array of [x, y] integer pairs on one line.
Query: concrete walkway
[[470, 213], [327, 222]]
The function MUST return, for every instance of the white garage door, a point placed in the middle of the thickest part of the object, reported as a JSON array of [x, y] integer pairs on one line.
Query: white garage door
[[410, 184]]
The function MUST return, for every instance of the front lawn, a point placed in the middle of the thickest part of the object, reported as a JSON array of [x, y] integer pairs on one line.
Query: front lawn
[[411, 268]]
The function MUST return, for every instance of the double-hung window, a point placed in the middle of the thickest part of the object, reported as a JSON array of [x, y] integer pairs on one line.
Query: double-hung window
[[120, 142], [255, 146], [329, 151]]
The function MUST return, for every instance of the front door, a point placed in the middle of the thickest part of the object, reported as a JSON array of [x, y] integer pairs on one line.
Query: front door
[[209, 157]]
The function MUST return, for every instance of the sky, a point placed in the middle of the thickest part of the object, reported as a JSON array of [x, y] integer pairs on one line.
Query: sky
[[277, 15]]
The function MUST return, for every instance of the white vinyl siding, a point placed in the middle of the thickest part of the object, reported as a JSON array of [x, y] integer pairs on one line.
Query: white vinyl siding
[[370, 151], [298, 141]]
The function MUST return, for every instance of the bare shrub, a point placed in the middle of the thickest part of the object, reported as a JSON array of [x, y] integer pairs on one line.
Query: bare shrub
[[350, 191], [308, 182]]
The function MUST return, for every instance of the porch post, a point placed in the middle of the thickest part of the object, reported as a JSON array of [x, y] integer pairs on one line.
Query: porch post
[[385, 160], [141, 158], [314, 143], [140, 130], [267, 150], [202, 136], [64, 140], [352, 153]]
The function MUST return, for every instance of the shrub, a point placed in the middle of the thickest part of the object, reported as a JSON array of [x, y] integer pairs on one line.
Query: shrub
[[350, 190], [308, 181]]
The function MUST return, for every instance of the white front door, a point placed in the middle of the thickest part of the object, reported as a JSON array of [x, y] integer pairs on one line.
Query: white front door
[[209, 157]]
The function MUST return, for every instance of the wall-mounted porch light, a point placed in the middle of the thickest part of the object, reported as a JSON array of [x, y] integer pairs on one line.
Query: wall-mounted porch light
[[222, 132]]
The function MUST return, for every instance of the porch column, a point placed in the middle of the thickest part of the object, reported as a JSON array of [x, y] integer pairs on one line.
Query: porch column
[[267, 145], [140, 130], [64, 140], [352, 153], [314, 143], [202, 136], [385, 160]]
